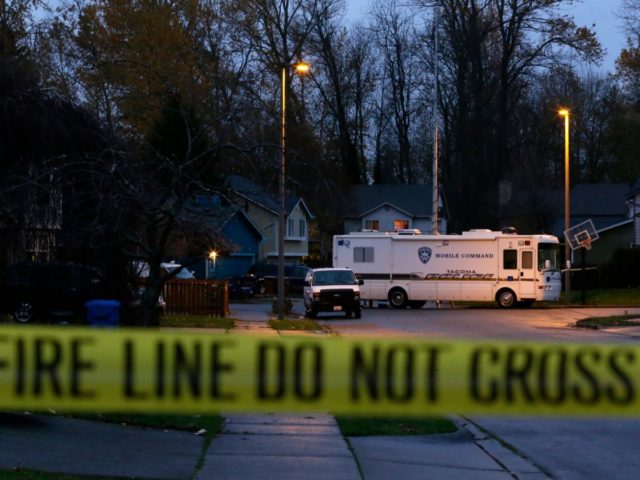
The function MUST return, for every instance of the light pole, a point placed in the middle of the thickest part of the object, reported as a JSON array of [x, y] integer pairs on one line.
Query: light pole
[[567, 222], [299, 67]]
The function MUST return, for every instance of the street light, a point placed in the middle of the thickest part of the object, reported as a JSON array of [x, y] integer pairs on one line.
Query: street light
[[212, 256], [567, 252], [301, 68]]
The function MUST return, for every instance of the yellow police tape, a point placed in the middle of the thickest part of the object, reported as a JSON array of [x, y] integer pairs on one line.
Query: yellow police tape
[[152, 371]]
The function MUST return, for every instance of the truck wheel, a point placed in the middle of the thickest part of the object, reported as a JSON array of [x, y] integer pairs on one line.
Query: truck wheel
[[398, 298], [506, 298], [23, 312], [356, 312], [311, 313], [416, 304]]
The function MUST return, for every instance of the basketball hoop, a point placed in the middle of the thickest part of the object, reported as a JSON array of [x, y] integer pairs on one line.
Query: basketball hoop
[[581, 236]]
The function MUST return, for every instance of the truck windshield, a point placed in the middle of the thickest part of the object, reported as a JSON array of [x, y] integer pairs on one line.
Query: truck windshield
[[334, 278], [548, 251]]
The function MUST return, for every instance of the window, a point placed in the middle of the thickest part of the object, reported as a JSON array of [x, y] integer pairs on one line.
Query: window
[[372, 225], [510, 259], [551, 252], [363, 255], [296, 229], [527, 260], [400, 224]]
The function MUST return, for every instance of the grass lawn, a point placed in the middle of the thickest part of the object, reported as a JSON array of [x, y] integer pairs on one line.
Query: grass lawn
[[296, 324], [21, 474], [363, 426], [609, 296], [191, 423], [196, 321], [612, 321]]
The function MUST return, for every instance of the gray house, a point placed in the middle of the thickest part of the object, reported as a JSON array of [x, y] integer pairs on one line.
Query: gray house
[[388, 208], [263, 210]]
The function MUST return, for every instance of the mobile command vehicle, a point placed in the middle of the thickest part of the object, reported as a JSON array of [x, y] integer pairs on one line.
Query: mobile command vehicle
[[407, 268]]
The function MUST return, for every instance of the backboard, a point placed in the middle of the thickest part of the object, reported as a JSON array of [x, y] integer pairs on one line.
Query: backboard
[[581, 235]]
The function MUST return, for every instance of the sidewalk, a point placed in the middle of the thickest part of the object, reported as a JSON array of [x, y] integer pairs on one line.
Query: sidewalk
[[252, 447]]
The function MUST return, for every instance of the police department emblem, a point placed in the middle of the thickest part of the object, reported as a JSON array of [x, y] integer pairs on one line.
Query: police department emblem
[[424, 254]]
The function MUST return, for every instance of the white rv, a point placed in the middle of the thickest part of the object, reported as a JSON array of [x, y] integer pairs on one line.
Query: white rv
[[407, 268]]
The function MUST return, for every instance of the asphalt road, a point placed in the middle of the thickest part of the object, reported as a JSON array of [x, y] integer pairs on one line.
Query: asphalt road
[[552, 324], [563, 448]]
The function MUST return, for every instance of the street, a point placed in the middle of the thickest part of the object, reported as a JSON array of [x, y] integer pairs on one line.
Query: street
[[562, 448], [547, 324]]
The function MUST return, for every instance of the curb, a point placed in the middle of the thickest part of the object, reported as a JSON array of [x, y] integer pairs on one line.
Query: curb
[[512, 461]]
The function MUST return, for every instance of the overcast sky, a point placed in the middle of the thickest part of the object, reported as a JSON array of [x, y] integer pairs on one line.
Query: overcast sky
[[586, 13]]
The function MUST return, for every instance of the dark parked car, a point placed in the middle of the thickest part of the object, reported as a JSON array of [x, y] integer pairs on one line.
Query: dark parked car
[[43, 291], [267, 273], [242, 287]]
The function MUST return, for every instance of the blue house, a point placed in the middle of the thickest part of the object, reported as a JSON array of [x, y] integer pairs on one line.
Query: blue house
[[242, 240]]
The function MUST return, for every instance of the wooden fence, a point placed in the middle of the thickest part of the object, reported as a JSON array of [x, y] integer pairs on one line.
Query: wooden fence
[[197, 297]]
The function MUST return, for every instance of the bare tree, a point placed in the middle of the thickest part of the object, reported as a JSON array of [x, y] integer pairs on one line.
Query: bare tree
[[343, 68], [397, 36], [493, 51]]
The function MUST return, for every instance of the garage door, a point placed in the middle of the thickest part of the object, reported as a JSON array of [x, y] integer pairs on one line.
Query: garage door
[[232, 266]]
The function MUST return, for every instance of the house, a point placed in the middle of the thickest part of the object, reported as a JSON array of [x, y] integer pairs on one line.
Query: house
[[241, 238], [263, 210], [388, 208], [608, 206]]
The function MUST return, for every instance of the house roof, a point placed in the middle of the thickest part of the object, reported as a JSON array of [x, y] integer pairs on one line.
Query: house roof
[[255, 194], [616, 225], [603, 203], [220, 211], [414, 200]]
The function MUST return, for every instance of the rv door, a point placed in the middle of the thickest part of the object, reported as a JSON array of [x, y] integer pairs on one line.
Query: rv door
[[527, 275]]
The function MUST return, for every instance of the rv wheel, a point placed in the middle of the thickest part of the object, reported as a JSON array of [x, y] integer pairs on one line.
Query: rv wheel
[[398, 298], [506, 298]]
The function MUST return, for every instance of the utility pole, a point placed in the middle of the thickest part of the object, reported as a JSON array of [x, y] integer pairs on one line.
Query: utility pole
[[435, 218]]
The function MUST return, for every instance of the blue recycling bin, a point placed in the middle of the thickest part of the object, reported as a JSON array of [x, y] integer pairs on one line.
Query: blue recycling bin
[[103, 313]]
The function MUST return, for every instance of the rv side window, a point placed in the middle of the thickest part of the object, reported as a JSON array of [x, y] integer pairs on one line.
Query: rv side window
[[527, 260], [363, 255], [510, 259]]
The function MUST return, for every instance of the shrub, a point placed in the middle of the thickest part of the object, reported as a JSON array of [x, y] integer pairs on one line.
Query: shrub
[[623, 270]]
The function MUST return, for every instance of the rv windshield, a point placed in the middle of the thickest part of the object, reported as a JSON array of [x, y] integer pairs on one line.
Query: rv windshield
[[548, 251]]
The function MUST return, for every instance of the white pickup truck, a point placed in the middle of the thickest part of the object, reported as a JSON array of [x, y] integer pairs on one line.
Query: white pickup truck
[[332, 290]]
